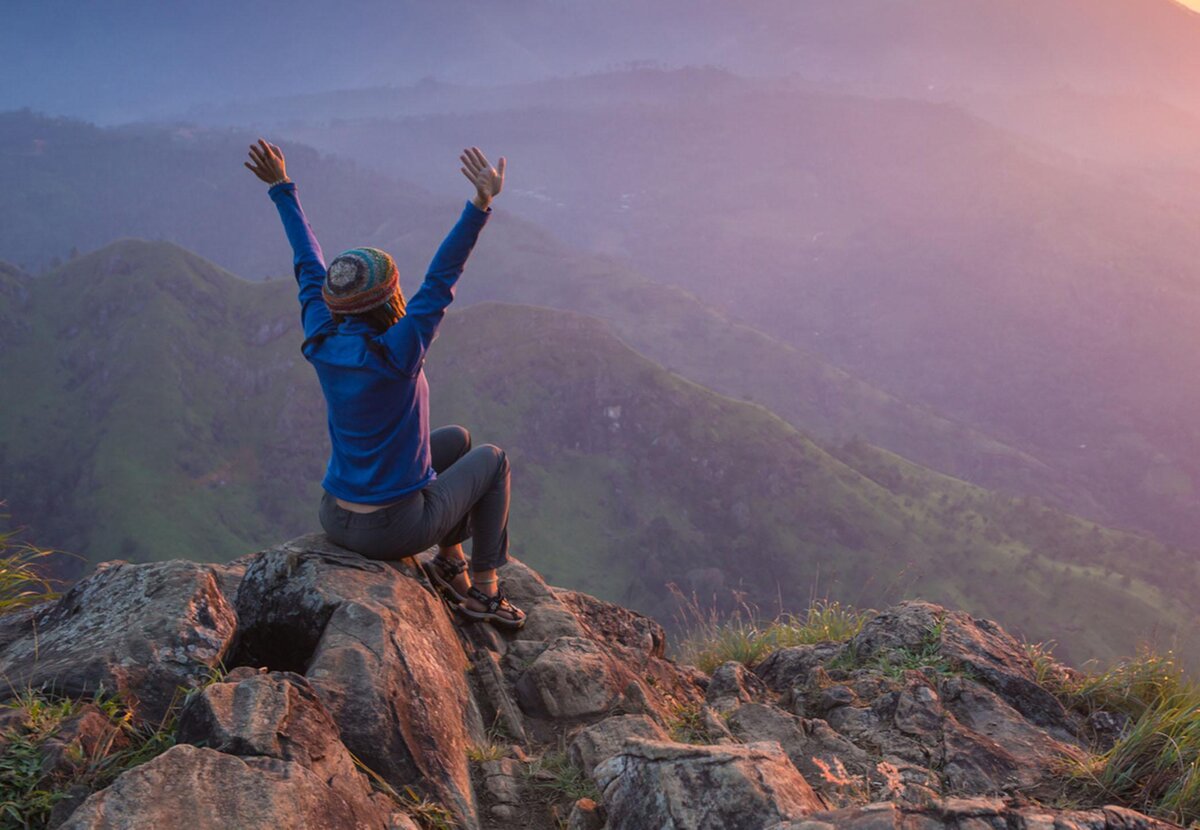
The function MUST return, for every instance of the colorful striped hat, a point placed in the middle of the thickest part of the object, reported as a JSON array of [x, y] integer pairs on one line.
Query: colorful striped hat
[[358, 280]]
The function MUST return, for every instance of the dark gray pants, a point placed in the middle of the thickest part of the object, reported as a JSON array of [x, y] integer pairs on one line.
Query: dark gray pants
[[467, 500]]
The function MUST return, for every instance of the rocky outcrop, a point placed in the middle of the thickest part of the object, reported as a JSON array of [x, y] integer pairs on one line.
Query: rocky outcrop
[[140, 630], [381, 654], [354, 698], [981, 813]]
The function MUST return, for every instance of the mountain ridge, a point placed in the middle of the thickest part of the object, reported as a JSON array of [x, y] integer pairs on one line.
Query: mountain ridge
[[182, 418]]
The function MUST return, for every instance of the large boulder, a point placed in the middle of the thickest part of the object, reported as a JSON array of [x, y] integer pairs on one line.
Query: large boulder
[[381, 654], [141, 630], [684, 787], [980, 744], [990, 746], [273, 715], [203, 789], [573, 678]]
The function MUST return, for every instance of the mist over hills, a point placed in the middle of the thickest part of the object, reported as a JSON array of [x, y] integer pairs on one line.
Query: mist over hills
[[946, 261], [869, 293], [59, 172], [158, 406], [144, 60]]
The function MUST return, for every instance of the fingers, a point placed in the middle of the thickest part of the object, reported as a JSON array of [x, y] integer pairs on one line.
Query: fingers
[[500, 167], [469, 161]]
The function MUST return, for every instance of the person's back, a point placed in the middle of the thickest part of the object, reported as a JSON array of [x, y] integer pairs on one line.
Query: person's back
[[378, 418]]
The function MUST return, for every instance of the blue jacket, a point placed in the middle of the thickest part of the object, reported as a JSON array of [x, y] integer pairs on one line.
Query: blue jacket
[[375, 389]]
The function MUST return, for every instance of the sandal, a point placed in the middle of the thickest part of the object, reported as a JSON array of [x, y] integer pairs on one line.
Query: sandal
[[492, 607], [442, 572]]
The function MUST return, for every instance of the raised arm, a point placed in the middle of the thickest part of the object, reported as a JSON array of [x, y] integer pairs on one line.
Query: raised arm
[[409, 339], [268, 164]]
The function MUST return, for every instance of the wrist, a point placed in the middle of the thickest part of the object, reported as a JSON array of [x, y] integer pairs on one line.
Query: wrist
[[481, 203], [279, 181]]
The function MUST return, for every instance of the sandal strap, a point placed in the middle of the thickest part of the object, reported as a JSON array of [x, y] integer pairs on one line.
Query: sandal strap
[[494, 603], [449, 567]]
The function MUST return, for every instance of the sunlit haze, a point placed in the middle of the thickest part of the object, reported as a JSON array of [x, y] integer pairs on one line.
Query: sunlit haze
[[929, 268]]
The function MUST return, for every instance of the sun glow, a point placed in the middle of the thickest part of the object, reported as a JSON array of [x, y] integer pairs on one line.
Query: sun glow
[[1194, 5]]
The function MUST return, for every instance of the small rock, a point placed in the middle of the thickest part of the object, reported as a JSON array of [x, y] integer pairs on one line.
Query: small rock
[[585, 815], [502, 780], [732, 685], [601, 741], [836, 696], [1107, 728], [504, 812], [788, 667]]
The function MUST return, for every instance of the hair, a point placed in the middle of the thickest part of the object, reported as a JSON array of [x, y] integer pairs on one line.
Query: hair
[[382, 317]]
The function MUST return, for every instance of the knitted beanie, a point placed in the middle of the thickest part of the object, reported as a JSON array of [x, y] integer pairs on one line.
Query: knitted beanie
[[358, 280]]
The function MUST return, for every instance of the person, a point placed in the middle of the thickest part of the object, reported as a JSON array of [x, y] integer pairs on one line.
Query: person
[[393, 487]]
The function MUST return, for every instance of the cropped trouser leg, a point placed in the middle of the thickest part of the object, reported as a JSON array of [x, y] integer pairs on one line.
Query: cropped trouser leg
[[470, 498]]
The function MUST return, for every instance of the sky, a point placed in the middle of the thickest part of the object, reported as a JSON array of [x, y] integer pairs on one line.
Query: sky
[[113, 61]]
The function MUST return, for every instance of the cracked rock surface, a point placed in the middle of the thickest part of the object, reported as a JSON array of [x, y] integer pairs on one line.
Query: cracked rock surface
[[356, 698]]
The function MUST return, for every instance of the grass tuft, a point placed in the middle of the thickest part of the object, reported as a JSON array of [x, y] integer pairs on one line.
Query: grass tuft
[[487, 752], [29, 791], [22, 581], [1154, 766], [558, 781], [711, 638]]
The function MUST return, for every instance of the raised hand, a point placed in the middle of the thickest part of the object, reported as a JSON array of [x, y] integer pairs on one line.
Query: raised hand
[[488, 180], [266, 162]]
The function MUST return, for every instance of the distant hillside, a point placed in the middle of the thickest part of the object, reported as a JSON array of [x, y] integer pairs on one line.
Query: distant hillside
[[1042, 302], [158, 407], [226, 217]]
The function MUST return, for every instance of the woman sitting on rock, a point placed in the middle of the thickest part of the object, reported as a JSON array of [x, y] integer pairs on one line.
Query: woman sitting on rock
[[392, 487]]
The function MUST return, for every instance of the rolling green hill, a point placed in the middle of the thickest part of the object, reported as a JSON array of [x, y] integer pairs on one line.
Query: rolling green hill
[[71, 184], [158, 406]]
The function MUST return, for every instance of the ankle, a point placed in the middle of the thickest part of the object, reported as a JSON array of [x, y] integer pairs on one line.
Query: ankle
[[486, 586], [453, 553]]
